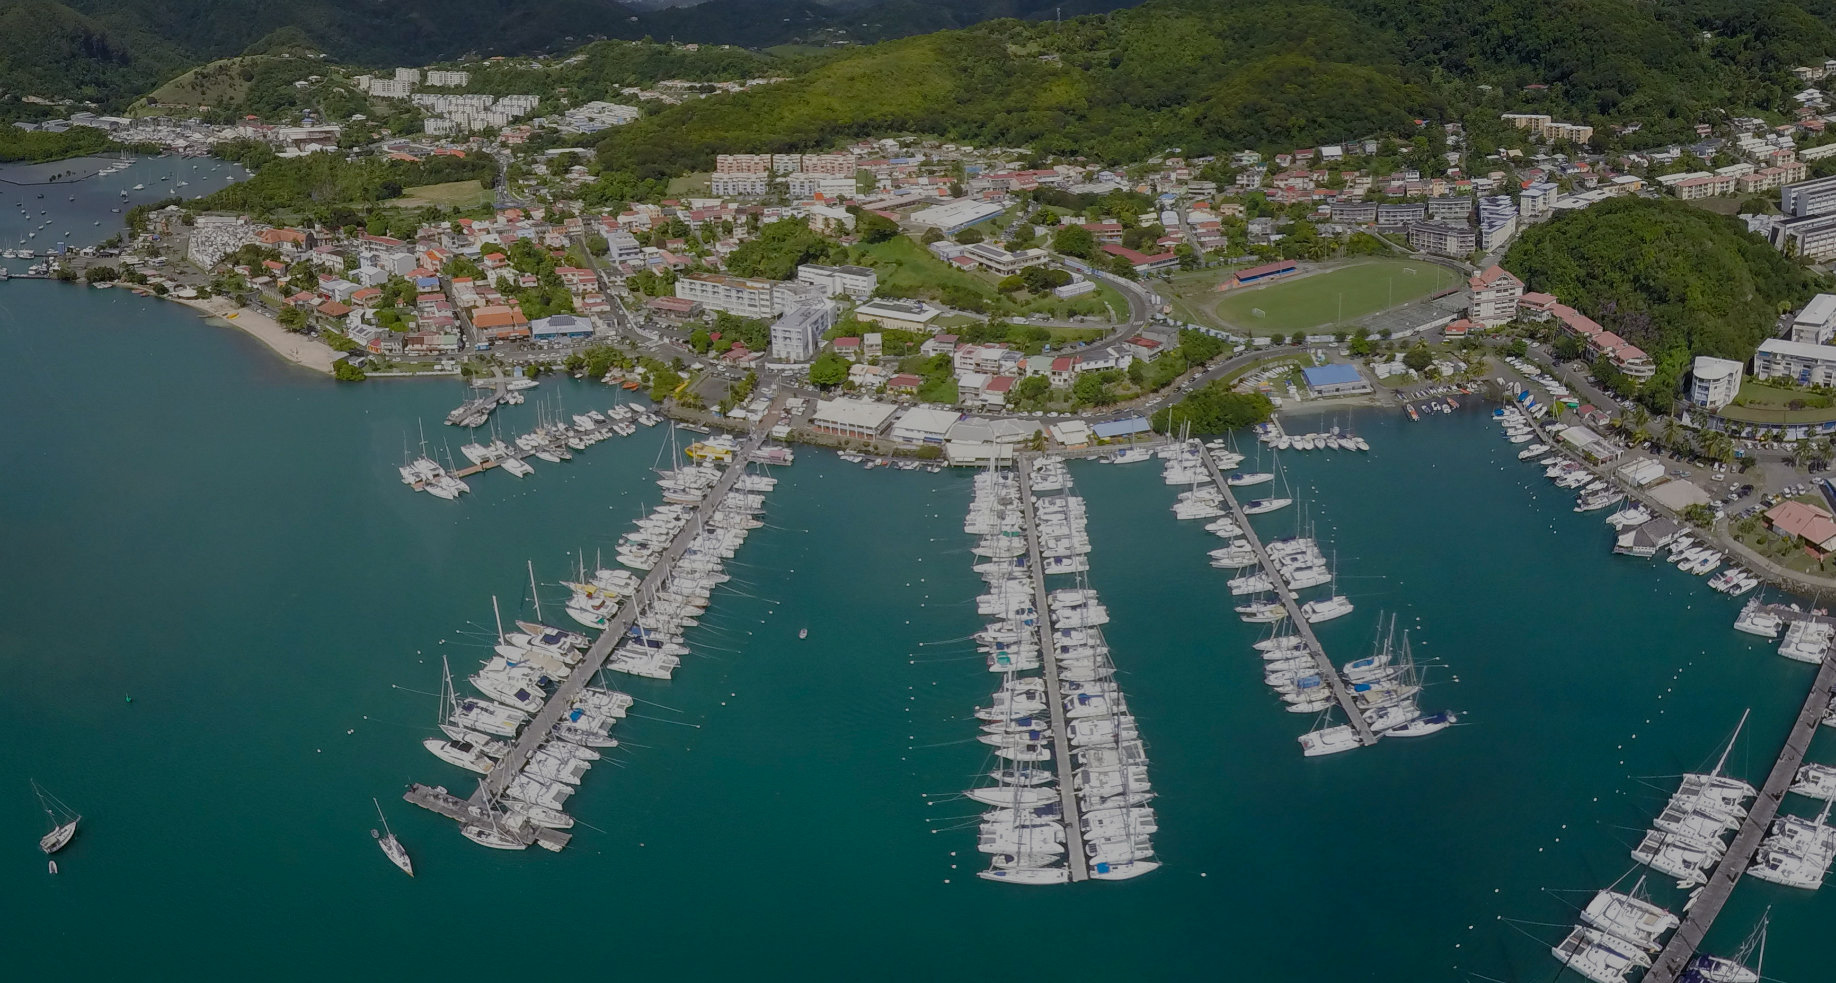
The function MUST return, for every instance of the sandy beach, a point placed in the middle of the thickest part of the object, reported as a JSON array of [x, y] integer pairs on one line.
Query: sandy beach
[[295, 348]]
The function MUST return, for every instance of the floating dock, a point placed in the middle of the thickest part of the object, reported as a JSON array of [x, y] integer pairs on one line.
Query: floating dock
[[1675, 958], [436, 798], [1328, 671], [1076, 859]]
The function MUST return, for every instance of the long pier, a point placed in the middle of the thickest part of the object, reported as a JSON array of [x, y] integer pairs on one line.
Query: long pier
[[481, 806], [1077, 861], [539, 728], [1676, 955], [1328, 671]]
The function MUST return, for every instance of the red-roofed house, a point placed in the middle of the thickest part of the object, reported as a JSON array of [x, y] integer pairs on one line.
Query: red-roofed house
[[904, 383], [1142, 262], [1807, 522]]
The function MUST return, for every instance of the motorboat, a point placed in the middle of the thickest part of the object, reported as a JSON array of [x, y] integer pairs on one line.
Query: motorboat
[[1326, 609], [1329, 740]]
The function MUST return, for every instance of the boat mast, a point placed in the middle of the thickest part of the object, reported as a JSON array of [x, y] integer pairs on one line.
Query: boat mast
[[499, 615], [1729, 749], [534, 594]]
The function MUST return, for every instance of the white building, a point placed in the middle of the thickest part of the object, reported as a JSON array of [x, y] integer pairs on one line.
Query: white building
[[900, 315], [1805, 198], [1713, 382], [797, 334], [442, 77], [1495, 293], [1809, 365], [998, 260], [857, 282], [953, 216], [740, 184], [1816, 322], [859, 418], [743, 296], [408, 75]]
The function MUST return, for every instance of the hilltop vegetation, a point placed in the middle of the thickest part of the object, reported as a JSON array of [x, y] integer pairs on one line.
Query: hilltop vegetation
[[1672, 279], [1269, 74], [112, 51], [331, 189]]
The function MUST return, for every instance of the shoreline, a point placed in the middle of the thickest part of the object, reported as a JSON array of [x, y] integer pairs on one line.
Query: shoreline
[[298, 349]]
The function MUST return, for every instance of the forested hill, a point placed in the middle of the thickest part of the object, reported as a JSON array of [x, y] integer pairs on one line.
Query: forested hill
[[1667, 276], [1206, 76], [115, 50]]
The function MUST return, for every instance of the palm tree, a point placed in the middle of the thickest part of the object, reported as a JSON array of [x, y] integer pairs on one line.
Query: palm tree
[[1673, 434]]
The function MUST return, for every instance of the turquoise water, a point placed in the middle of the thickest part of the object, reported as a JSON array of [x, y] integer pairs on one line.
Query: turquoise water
[[100, 208], [223, 537]]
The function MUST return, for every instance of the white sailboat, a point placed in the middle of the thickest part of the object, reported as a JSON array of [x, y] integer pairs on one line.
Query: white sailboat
[[63, 821], [391, 847]]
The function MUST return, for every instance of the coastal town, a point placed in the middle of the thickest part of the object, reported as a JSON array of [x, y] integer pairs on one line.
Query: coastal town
[[914, 303]]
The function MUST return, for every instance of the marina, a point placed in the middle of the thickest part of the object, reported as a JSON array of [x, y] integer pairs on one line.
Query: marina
[[517, 802], [1551, 712], [1359, 726], [1708, 904]]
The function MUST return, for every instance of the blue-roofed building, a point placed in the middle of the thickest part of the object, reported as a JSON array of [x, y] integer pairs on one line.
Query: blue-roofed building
[[1336, 379], [1112, 429]]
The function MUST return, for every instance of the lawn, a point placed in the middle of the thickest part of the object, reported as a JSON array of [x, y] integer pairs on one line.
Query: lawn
[[1760, 403], [453, 194], [1334, 297], [691, 184], [907, 269]]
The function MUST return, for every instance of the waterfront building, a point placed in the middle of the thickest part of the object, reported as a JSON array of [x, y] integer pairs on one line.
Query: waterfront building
[[1806, 522], [1335, 379], [862, 419], [1714, 382]]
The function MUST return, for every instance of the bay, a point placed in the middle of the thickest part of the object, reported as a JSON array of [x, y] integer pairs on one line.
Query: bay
[[222, 537]]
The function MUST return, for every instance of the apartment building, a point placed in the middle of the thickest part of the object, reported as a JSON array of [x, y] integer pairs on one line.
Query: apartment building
[[1442, 238], [857, 282], [1495, 293], [1809, 365], [743, 296]]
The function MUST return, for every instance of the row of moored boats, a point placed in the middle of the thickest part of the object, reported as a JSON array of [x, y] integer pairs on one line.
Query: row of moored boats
[[1024, 830], [531, 666]]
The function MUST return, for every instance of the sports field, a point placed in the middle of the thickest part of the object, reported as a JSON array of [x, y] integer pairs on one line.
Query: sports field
[[1340, 296]]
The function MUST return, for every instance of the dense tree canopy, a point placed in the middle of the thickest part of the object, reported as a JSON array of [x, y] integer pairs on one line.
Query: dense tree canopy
[[1672, 279]]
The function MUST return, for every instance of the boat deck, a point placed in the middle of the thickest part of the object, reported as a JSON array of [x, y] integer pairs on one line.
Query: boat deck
[[1670, 963], [1075, 857], [1328, 671]]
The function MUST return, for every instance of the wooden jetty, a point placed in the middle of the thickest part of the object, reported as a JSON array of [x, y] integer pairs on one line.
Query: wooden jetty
[[1076, 860], [1676, 955], [1328, 671]]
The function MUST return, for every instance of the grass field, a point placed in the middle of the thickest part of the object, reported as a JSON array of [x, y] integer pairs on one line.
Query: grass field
[[690, 184], [454, 194], [1321, 300]]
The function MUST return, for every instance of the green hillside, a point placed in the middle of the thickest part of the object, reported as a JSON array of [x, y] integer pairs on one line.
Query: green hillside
[[1673, 279], [1273, 74]]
